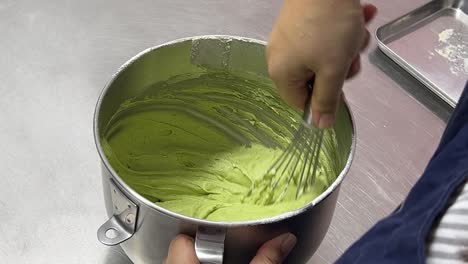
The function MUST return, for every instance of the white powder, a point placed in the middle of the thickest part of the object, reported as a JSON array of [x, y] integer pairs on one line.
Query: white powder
[[445, 35], [449, 52], [453, 46]]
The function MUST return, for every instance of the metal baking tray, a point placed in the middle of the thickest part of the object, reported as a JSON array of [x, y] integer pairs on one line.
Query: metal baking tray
[[431, 43]]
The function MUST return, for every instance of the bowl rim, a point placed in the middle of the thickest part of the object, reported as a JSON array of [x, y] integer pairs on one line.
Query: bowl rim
[[134, 196]]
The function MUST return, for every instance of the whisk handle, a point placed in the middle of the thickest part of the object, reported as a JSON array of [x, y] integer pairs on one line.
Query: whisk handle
[[307, 117]]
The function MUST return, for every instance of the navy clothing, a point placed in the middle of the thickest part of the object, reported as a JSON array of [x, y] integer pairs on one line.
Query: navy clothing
[[402, 236]]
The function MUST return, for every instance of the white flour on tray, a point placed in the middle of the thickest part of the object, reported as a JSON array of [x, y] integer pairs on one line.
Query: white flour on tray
[[453, 46]]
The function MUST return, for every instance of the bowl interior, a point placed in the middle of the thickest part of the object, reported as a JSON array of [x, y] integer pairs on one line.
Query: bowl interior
[[241, 109]]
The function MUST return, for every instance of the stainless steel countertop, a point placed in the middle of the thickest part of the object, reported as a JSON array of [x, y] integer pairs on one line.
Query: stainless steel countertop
[[57, 56]]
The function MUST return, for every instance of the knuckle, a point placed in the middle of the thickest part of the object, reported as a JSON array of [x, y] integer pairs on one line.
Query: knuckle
[[274, 71], [336, 65], [330, 61], [325, 104], [270, 260], [275, 64], [180, 241], [265, 259]]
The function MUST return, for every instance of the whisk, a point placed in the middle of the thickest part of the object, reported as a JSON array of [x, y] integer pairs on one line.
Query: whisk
[[301, 157]]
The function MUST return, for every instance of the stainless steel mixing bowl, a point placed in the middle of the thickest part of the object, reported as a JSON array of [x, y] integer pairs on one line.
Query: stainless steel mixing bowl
[[145, 230]]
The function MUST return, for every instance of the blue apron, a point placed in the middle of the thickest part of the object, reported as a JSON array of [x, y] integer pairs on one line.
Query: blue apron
[[401, 237]]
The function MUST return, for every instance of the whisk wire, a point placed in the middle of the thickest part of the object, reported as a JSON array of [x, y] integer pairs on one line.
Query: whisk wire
[[307, 163], [313, 151], [300, 162], [299, 146], [318, 147]]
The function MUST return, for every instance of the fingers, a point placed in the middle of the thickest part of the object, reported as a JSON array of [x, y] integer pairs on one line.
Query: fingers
[[182, 250], [369, 12], [366, 41], [354, 68], [326, 96], [293, 92], [327, 87], [275, 250], [289, 77]]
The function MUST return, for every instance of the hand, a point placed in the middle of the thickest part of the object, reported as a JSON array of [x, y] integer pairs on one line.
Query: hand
[[320, 40], [182, 250]]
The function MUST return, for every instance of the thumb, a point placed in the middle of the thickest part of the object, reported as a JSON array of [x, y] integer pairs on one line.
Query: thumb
[[326, 97], [182, 250], [275, 250]]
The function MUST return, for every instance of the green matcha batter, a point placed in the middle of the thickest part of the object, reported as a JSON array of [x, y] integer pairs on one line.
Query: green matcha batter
[[194, 145]]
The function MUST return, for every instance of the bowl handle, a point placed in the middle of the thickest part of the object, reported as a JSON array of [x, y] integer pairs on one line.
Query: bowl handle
[[121, 226], [209, 244]]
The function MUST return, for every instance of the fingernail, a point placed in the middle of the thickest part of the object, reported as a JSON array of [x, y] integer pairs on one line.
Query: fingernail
[[288, 243], [326, 120]]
